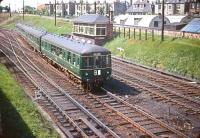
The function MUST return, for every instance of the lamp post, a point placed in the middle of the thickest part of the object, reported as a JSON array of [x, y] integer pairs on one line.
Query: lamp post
[[23, 9], [55, 12], [10, 10], [163, 16]]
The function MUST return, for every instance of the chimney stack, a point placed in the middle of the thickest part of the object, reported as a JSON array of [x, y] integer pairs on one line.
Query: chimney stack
[[131, 2], [95, 7]]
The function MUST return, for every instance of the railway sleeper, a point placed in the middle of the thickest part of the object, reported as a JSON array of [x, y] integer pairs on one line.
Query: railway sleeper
[[158, 130], [146, 123]]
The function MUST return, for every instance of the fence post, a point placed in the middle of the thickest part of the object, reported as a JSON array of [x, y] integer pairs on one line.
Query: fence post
[[152, 35], [140, 34], [124, 32], [145, 34], [183, 34], [134, 33], [119, 32], [129, 33]]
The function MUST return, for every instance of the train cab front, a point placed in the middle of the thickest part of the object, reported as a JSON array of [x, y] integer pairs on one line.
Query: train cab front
[[97, 69]]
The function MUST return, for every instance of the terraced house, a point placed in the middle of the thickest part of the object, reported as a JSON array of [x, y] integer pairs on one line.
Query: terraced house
[[141, 7], [172, 7]]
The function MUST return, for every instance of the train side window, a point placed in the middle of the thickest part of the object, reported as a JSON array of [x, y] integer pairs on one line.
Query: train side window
[[45, 44], [84, 62], [52, 49], [97, 61], [108, 61], [90, 62], [103, 61], [63, 55], [74, 59], [69, 56], [78, 61]]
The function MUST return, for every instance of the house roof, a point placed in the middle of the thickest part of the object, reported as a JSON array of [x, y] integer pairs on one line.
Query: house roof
[[147, 9], [92, 19], [171, 1], [193, 26]]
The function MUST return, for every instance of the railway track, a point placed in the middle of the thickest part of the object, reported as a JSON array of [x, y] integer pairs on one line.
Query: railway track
[[88, 97], [70, 116], [139, 79], [123, 119], [170, 81]]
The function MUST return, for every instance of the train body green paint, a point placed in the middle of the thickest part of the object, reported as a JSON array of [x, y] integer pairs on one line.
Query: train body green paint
[[93, 68]]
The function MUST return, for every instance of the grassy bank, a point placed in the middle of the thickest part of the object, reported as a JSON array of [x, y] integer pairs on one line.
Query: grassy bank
[[179, 55], [62, 27], [20, 117]]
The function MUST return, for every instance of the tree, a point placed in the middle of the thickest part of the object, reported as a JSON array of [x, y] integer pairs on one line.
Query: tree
[[29, 9]]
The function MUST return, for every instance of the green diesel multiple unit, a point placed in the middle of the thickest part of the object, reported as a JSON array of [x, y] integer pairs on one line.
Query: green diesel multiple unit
[[89, 63]]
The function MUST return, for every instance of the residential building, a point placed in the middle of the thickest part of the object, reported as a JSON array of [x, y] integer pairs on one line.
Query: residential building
[[49, 8], [70, 8], [100, 8], [41, 7], [147, 21], [141, 7], [60, 9], [118, 7], [194, 7], [172, 7], [82, 8]]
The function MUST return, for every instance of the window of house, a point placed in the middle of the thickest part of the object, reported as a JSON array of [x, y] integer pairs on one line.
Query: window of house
[[178, 6], [155, 23], [159, 6], [170, 7], [198, 5]]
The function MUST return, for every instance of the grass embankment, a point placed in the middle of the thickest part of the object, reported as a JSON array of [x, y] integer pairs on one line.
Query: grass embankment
[[179, 55], [62, 27], [20, 117]]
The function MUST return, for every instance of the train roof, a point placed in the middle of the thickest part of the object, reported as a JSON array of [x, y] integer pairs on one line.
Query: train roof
[[36, 32], [63, 42], [74, 46]]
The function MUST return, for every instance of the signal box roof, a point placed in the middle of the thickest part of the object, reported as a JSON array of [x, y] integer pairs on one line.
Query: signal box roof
[[92, 19]]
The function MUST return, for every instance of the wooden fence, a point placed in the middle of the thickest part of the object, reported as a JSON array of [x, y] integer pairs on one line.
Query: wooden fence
[[143, 33]]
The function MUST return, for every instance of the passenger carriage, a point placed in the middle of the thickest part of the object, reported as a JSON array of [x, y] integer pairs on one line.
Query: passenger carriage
[[89, 63]]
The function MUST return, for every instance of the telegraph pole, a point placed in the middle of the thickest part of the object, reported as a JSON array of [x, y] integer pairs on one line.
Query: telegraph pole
[[55, 12], [23, 9], [163, 16], [10, 10]]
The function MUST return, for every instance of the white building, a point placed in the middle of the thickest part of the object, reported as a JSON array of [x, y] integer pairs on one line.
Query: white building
[[150, 21]]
